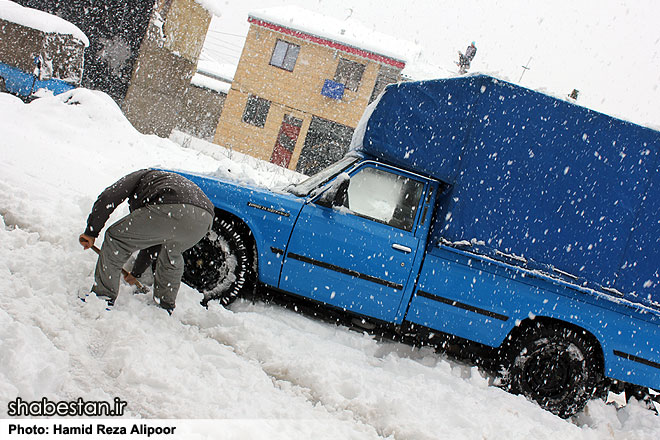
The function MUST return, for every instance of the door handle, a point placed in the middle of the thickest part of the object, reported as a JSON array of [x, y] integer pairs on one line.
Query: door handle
[[402, 248]]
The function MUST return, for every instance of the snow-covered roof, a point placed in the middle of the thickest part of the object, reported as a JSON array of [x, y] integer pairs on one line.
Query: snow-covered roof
[[348, 35], [214, 69], [213, 6], [201, 80], [39, 20]]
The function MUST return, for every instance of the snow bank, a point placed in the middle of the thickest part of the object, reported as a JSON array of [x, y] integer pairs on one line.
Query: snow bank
[[39, 20], [239, 167], [261, 370]]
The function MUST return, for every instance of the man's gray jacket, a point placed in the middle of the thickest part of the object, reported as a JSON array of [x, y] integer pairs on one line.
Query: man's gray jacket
[[141, 188]]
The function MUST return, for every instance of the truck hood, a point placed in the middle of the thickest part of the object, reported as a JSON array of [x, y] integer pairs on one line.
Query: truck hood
[[246, 201]]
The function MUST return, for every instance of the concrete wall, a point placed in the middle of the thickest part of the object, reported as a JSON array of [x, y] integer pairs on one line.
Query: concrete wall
[[200, 112], [166, 63], [63, 54]]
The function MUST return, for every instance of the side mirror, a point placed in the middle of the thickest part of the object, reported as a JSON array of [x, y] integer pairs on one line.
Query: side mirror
[[341, 196], [337, 194]]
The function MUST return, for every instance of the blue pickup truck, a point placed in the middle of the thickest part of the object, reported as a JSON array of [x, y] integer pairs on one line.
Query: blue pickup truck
[[474, 208]]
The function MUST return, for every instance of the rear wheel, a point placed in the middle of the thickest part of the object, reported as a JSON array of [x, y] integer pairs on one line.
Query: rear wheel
[[558, 367], [222, 264]]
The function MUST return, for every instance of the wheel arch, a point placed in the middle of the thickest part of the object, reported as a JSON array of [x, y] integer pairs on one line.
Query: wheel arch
[[518, 331]]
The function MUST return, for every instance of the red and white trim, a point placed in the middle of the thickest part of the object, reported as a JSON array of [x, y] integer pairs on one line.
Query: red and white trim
[[330, 43]]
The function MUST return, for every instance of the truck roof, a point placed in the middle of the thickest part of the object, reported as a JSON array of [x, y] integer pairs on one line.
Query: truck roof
[[530, 175]]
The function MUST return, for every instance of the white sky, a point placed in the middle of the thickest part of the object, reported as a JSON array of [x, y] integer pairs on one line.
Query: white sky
[[609, 50]]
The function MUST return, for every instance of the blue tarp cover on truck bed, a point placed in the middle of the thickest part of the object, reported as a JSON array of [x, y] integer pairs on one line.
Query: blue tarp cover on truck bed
[[531, 175]]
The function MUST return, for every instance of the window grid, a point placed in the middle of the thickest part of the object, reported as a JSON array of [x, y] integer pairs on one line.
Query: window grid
[[284, 55], [349, 73], [256, 111]]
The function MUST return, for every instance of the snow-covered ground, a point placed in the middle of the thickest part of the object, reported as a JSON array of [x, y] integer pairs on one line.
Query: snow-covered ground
[[263, 369]]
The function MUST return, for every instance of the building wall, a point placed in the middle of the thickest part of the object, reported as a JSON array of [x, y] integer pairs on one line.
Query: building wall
[[302, 88], [200, 112], [297, 93], [185, 28], [19, 45], [166, 63]]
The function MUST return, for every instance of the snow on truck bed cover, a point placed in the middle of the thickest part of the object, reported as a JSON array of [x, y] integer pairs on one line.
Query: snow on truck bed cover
[[530, 175], [39, 20]]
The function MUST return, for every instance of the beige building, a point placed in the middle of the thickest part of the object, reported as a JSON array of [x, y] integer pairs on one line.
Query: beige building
[[298, 94]]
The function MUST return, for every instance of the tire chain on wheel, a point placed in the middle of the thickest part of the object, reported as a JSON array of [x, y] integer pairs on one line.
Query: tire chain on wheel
[[237, 242]]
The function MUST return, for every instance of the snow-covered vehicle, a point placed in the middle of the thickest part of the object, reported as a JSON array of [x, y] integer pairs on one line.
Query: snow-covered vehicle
[[38, 51], [473, 208]]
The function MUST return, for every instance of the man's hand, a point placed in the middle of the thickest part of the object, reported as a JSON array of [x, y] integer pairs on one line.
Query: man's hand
[[86, 241], [130, 279]]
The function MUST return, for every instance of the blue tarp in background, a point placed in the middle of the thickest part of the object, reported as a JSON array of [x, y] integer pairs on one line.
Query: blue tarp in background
[[531, 175]]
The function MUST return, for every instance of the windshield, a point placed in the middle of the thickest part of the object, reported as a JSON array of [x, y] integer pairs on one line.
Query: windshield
[[303, 188]]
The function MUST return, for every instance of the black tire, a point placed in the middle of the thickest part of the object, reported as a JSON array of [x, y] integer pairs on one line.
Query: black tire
[[222, 265], [556, 366]]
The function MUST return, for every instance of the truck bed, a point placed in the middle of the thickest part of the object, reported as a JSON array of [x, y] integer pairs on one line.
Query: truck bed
[[532, 176]]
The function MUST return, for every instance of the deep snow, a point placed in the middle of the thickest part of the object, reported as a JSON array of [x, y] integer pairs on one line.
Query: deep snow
[[261, 369]]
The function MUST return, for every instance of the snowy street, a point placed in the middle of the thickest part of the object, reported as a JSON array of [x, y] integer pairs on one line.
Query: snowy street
[[284, 375]]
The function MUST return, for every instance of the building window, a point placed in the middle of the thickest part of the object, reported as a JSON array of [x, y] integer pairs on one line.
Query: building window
[[325, 143], [349, 73], [284, 55], [256, 111], [386, 75]]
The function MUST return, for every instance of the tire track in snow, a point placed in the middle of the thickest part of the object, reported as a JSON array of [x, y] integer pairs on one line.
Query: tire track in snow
[[215, 319], [100, 345], [400, 391], [116, 354], [347, 400]]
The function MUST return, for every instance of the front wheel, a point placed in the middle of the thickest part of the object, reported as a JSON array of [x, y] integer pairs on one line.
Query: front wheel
[[556, 366], [222, 264]]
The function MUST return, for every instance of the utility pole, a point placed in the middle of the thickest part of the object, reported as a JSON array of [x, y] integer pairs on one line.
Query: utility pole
[[525, 68]]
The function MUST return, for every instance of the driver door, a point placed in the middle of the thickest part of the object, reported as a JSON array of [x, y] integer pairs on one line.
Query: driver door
[[358, 256]]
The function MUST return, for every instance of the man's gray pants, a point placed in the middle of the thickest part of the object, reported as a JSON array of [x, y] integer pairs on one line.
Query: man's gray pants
[[175, 227]]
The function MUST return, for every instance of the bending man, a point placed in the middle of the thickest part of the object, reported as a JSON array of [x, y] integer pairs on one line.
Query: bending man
[[166, 210]]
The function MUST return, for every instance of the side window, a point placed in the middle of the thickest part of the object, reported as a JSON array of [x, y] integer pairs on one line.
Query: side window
[[284, 55], [349, 73], [256, 111], [385, 197]]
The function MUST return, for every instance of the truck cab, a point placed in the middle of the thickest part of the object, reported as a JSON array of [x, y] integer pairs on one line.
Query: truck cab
[[358, 244]]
